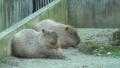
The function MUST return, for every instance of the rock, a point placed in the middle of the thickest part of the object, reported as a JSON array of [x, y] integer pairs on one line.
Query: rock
[[116, 38]]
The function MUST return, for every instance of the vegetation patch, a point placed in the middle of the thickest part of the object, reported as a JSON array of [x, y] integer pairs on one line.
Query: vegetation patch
[[93, 48]]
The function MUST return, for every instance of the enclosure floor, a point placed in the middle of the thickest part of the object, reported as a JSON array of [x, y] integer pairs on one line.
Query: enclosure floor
[[74, 59]]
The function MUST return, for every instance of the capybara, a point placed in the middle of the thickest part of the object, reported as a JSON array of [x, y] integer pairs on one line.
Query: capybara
[[67, 35], [29, 43]]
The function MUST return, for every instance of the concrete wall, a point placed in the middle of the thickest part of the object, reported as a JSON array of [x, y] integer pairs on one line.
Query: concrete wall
[[94, 13]]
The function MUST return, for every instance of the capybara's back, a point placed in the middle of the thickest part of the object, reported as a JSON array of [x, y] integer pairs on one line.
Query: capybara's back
[[24, 43], [68, 36], [29, 43]]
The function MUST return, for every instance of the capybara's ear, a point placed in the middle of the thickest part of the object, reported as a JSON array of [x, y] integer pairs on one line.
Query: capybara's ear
[[43, 30], [66, 28]]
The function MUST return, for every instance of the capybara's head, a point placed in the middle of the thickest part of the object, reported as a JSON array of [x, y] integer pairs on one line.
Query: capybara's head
[[71, 32], [51, 38]]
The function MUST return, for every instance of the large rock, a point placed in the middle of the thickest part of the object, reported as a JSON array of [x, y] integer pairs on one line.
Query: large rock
[[67, 35], [31, 44], [116, 38]]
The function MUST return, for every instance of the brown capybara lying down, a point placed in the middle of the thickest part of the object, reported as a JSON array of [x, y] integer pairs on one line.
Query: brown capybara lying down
[[67, 35], [29, 43]]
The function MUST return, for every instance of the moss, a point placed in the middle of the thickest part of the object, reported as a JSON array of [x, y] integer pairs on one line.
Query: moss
[[3, 48], [93, 48], [87, 47], [3, 60]]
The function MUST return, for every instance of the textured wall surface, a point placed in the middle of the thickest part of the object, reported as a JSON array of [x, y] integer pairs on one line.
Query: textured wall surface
[[94, 13], [13, 11]]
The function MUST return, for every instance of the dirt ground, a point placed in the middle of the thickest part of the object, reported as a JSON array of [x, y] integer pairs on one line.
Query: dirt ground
[[74, 58]]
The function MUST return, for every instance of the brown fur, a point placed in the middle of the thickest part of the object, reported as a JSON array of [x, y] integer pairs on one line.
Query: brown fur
[[67, 35], [31, 44]]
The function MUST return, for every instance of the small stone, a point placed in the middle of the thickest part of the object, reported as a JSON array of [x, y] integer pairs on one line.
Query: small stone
[[109, 53]]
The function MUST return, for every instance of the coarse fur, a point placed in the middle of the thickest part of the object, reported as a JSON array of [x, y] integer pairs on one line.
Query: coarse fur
[[29, 43], [67, 35]]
